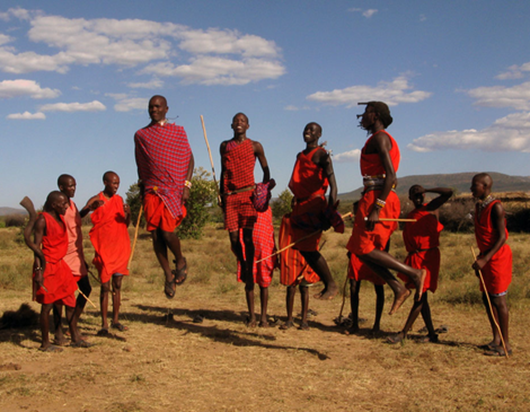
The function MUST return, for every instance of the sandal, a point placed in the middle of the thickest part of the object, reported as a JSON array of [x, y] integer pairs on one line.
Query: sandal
[[397, 338], [180, 274], [81, 344], [119, 326], [168, 287], [103, 332]]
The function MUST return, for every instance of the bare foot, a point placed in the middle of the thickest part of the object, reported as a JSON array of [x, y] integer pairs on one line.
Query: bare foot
[[328, 292], [250, 323], [419, 287], [263, 324], [59, 341], [287, 325], [303, 326], [399, 298]]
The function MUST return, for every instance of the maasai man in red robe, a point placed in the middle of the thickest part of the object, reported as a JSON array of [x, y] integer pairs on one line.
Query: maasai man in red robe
[[264, 263], [112, 245], [312, 174], [53, 278], [294, 271], [75, 257], [165, 168], [238, 158], [379, 163], [422, 239], [494, 260]]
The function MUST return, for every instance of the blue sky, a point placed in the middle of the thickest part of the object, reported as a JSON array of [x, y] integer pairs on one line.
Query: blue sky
[[75, 79]]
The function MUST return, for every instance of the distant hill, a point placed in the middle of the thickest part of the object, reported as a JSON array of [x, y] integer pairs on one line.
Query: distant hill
[[458, 181], [11, 211]]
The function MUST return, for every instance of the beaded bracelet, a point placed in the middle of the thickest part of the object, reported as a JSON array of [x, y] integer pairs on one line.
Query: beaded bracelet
[[187, 183], [380, 203]]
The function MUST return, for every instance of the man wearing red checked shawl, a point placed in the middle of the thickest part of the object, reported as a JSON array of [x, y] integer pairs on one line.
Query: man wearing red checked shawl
[[238, 158], [165, 168]]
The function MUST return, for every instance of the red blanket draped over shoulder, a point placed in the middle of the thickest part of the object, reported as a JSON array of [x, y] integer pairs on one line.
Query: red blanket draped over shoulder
[[497, 272], [58, 278], [362, 241], [239, 161], [422, 239], [110, 238], [163, 155], [75, 258], [308, 179]]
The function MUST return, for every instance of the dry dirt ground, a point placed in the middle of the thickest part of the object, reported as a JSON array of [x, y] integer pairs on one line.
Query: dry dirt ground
[[173, 364]]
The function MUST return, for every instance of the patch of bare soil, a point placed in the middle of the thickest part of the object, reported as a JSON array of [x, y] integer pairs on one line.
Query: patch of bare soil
[[168, 363]]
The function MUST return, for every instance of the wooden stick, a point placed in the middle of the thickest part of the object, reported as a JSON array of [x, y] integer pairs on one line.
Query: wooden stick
[[86, 297], [211, 159], [343, 296], [299, 240], [489, 304], [388, 219], [135, 235]]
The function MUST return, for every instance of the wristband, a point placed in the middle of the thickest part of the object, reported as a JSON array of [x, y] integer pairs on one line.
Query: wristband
[[380, 203]]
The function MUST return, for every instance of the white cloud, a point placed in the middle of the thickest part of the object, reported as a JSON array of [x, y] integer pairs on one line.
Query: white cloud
[[507, 134], [227, 42], [365, 12], [30, 88], [212, 70], [517, 97], [132, 103], [26, 116], [514, 72], [212, 56], [347, 157], [94, 106], [5, 39], [397, 91], [153, 84]]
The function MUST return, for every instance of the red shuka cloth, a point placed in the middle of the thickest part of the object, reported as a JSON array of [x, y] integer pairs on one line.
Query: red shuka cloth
[[110, 238], [308, 178], [422, 239], [497, 272], [309, 185], [359, 271], [75, 258], [239, 161], [362, 241], [58, 278], [264, 245], [293, 267], [162, 156]]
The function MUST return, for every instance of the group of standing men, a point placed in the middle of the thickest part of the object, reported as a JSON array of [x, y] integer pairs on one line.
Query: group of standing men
[[165, 168]]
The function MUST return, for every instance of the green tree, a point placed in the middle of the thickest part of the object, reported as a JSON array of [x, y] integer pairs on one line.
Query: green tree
[[282, 205], [202, 198]]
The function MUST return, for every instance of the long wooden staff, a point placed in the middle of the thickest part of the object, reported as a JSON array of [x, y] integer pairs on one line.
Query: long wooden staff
[[343, 297], [389, 219], [27, 204], [211, 159], [86, 297], [135, 235], [297, 241], [489, 304]]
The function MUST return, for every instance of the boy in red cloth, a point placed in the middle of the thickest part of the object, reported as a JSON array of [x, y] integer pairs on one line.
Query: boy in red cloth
[[53, 278], [264, 246], [312, 174], [75, 257], [379, 163], [494, 260], [238, 158], [165, 168], [294, 271], [111, 242], [422, 239]]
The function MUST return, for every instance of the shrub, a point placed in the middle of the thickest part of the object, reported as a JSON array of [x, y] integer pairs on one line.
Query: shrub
[[282, 205]]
